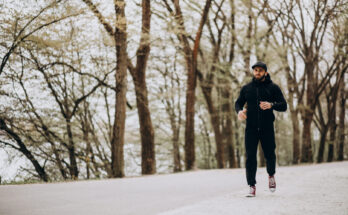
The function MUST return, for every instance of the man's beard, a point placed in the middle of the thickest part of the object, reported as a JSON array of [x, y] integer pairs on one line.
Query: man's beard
[[262, 78]]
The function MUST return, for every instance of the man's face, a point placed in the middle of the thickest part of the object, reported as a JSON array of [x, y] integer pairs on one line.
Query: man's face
[[259, 73]]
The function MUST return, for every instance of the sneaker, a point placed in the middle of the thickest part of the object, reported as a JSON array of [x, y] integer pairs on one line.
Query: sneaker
[[252, 192], [272, 183]]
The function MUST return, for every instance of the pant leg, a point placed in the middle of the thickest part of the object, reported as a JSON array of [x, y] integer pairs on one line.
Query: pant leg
[[268, 147], [251, 142]]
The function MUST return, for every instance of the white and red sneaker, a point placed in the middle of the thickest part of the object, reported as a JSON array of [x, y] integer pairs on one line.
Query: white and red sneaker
[[272, 183], [252, 192]]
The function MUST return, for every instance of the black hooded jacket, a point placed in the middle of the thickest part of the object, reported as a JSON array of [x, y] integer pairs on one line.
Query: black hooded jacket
[[255, 92]]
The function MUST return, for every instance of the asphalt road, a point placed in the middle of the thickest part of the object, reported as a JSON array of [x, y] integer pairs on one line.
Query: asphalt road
[[181, 193]]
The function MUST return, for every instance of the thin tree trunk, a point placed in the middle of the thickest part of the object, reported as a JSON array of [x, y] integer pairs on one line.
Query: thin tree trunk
[[228, 131], [176, 151], [294, 116], [307, 155], [215, 121], [341, 122], [247, 53], [237, 140], [191, 62], [233, 32], [117, 143], [322, 144], [88, 151], [208, 158], [296, 137], [332, 126], [190, 95], [227, 128], [71, 149], [148, 161], [58, 161]]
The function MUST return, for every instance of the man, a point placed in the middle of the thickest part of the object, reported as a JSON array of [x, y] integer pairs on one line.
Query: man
[[261, 96]]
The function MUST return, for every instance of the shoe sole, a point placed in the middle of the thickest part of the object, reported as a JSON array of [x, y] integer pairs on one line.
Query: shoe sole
[[250, 196], [272, 189]]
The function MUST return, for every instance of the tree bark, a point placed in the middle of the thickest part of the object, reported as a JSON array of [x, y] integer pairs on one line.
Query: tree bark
[[71, 148], [322, 144], [227, 128], [176, 151], [332, 139], [247, 52], [117, 143], [341, 122], [215, 122], [148, 161], [307, 155], [228, 136], [332, 122]]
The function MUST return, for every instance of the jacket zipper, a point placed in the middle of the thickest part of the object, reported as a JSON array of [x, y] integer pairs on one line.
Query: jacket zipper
[[258, 109]]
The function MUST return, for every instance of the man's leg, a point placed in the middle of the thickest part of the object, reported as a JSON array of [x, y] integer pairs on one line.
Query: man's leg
[[251, 142], [268, 147]]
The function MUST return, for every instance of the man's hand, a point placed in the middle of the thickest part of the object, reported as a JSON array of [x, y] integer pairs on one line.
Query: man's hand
[[265, 105], [242, 114]]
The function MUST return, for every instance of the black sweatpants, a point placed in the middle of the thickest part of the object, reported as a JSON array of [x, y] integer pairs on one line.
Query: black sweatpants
[[252, 137]]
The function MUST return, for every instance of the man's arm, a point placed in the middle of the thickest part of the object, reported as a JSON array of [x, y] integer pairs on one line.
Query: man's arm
[[240, 101], [279, 103]]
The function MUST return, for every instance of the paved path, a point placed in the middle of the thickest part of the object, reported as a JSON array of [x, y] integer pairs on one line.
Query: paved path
[[307, 189]]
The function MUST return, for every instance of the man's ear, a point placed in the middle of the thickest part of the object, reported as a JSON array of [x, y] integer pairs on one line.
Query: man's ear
[[266, 73]]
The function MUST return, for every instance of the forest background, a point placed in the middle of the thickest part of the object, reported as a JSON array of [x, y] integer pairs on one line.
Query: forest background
[[108, 89]]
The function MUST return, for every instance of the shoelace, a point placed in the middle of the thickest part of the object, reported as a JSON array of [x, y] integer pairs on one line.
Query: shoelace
[[272, 181]]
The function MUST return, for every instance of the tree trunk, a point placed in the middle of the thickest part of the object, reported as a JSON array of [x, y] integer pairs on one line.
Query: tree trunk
[[330, 152], [306, 139], [148, 161], [341, 124], [307, 155], [333, 127], [191, 65], [237, 139], [71, 149], [227, 128], [322, 144], [176, 150], [58, 161], [207, 150], [247, 52], [296, 137], [294, 116], [215, 122], [228, 135], [117, 143]]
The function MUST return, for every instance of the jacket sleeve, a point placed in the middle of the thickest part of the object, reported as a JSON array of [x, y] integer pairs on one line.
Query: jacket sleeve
[[240, 101], [279, 103]]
